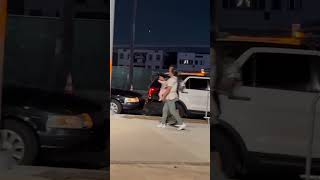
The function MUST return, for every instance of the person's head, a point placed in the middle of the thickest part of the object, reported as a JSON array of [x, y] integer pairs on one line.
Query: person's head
[[172, 71], [161, 78]]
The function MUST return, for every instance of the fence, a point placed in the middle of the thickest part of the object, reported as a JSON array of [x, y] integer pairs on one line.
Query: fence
[[31, 56], [141, 78]]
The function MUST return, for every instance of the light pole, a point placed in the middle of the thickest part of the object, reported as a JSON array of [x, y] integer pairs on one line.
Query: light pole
[[133, 37]]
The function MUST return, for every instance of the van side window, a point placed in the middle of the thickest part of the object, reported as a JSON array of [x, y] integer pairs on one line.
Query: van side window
[[197, 84], [277, 71]]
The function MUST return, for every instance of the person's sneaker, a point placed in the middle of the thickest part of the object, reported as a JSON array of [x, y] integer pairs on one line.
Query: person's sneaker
[[182, 127], [164, 126], [160, 125]]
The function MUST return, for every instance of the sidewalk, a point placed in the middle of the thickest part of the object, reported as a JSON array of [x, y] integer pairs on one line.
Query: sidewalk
[[159, 172], [139, 141], [141, 151]]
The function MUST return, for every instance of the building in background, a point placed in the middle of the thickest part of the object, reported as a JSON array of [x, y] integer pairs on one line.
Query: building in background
[[168, 55], [190, 61], [149, 59], [266, 16]]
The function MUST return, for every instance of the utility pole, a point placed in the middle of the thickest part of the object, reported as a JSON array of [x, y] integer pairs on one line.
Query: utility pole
[[133, 37], [4, 156]]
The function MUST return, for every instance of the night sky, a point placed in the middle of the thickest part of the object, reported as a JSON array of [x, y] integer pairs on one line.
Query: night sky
[[164, 22]]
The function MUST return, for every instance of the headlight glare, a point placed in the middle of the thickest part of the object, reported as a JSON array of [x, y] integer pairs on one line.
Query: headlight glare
[[131, 100], [82, 121]]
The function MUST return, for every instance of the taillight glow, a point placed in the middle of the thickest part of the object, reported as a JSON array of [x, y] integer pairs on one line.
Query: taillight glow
[[152, 91]]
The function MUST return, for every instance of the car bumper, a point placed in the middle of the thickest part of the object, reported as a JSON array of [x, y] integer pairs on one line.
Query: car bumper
[[80, 140], [133, 106]]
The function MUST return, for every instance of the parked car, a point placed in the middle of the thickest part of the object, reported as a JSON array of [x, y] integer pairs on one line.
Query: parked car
[[267, 98], [193, 92], [35, 120], [122, 100]]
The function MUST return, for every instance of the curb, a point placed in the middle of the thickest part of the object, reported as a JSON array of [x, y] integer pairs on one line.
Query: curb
[[160, 163], [157, 118]]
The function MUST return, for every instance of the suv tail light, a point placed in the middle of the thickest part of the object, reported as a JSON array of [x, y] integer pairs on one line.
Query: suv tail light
[[152, 91]]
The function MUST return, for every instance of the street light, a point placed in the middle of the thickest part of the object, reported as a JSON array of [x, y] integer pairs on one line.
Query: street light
[[133, 36]]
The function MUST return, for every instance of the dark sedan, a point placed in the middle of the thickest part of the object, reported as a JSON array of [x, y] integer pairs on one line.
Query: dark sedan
[[35, 120], [122, 100]]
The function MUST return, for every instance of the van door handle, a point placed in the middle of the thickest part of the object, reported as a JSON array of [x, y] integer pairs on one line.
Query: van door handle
[[240, 98]]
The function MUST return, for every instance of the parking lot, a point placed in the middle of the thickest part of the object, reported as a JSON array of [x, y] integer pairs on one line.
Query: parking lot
[[135, 140]]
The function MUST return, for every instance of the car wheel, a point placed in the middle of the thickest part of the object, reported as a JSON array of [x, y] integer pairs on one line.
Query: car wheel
[[115, 106], [20, 141], [181, 110], [229, 158]]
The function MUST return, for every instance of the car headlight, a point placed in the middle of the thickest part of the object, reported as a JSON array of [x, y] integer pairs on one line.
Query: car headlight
[[131, 100], [82, 121]]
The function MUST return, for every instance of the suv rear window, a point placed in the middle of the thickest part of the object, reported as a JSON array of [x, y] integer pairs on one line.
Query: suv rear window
[[277, 71], [197, 84]]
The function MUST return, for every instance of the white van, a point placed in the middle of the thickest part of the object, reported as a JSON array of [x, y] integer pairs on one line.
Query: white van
[[266, 113]]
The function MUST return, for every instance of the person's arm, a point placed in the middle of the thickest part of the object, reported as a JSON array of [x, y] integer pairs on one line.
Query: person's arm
[[168, 89], [161, 82], [165, 94]]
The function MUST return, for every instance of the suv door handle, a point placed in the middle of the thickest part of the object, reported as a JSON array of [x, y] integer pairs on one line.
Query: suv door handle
[[239, 98]]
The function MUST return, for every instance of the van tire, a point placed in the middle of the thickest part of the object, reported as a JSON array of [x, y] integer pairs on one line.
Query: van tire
[[228, 155]]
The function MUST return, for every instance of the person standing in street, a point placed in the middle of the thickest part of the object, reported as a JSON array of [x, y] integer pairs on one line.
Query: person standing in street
[[170, 97]]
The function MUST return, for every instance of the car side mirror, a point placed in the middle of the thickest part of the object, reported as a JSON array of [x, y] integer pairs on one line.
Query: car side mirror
[[182, 87]]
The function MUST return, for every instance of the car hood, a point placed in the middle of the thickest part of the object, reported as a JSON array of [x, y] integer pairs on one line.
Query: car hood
[[53, 102], [125, 93]]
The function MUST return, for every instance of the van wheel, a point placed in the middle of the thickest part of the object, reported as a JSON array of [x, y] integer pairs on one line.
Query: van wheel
[[20, 142], [181, 110], [228, 155]]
